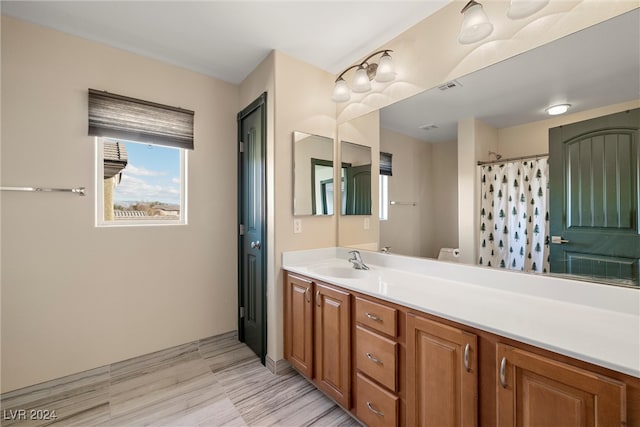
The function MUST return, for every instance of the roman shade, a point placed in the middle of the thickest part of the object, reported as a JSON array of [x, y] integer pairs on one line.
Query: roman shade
[[121, 117], [385, 164]]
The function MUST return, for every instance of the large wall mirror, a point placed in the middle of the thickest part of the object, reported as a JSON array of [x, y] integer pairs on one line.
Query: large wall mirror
[[313, 186], [509, 97], [356, 178]]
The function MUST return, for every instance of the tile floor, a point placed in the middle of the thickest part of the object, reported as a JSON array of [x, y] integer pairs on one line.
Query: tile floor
[[213, 382]]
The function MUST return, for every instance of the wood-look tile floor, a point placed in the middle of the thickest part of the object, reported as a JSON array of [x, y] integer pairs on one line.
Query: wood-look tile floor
[[213, 382]]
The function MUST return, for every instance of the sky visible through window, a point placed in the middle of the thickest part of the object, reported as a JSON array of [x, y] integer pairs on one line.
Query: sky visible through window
[[152, 175]]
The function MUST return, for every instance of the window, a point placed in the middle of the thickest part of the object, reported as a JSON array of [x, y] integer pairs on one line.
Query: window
[[139, 184], [384, 197], [386, 170], [140, 160]]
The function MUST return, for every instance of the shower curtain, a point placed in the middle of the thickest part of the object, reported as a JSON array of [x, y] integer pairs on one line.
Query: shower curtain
[[514, 217]]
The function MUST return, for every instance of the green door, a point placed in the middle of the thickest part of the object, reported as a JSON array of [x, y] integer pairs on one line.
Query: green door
[[358, 189], [252, 249], [594, 201]]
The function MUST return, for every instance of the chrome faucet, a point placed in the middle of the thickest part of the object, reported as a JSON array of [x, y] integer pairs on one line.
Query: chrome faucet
[[357, 262]]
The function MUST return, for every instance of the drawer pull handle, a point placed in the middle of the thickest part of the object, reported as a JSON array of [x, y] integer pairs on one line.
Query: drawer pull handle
[[318, 298], [307, 295], [466, 358], [374, 410], [373, 359], [503, 369], [373, 317]]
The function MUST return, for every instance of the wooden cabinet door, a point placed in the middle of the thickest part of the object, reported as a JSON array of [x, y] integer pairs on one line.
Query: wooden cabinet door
[[537, 391], [442, 377], [332, 343], [298, 324]]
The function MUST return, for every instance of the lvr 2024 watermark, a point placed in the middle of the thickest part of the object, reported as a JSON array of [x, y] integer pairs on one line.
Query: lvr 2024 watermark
[[28, 414]]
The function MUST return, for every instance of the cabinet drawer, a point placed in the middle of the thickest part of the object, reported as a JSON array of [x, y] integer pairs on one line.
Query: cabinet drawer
[[377, 316], [376, 356], [374, 405]]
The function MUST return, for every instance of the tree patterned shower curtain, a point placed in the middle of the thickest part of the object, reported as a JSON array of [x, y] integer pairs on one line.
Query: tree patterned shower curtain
[[514, 216]]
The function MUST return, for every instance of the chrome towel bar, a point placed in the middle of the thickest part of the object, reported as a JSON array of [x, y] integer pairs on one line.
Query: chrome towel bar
[[77, 190], [393, 202]]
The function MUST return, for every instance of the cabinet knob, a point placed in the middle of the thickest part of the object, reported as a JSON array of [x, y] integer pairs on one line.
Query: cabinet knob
[[374, 410], [503, 371], [466, 357], [307, 295], [318, 298]]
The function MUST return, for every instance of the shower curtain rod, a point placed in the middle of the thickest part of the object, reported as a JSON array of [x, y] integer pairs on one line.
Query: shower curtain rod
[[511, 159]]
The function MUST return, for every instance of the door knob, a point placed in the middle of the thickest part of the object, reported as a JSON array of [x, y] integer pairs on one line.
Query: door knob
[[256, 245]]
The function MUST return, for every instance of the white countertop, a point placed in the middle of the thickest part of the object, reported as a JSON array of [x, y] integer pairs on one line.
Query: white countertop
[[596, 323]]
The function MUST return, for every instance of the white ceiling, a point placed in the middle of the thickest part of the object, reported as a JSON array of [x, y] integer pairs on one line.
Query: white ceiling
[[592, 68], [228, 39]]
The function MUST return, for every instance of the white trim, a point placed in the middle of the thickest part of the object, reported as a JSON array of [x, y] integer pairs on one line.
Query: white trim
[[384, 198], [99, 191]]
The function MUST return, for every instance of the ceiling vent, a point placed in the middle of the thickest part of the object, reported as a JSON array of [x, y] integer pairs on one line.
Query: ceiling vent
[[449, 85], [428, 127]]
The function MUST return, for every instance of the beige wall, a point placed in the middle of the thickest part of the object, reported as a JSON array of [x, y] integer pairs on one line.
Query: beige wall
[[424, 173], [302, 105], [444, 167], [74, 296], [409, 228], [428, 54]]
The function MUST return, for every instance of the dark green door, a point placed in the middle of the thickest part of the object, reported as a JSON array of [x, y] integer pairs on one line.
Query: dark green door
[[358, 189], [594, 201], [252, 249]]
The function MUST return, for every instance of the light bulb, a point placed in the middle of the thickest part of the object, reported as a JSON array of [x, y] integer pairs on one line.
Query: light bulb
[[557, 109], [475, 25], [341, 91], [385, 71], [361, 82]]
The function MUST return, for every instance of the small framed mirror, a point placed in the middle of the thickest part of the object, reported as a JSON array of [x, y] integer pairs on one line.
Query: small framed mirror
[[355, 176], [313, 188]]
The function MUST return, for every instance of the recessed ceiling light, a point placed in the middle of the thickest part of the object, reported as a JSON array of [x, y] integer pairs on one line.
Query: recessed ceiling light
[[557, 109]]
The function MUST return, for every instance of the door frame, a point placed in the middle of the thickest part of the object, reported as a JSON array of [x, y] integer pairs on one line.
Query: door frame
[[261, 104]]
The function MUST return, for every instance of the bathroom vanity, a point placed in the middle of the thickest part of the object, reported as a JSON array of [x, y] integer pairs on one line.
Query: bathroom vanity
[[420, 342]]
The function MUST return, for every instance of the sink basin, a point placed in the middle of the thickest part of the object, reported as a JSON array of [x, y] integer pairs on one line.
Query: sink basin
[[343, 272]]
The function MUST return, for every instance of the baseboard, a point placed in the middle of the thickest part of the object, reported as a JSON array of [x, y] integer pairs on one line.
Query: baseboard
[[277, 367]]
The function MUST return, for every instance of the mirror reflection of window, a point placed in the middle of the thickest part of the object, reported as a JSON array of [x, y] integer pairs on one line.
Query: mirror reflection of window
[[385, 172], [384, 197]]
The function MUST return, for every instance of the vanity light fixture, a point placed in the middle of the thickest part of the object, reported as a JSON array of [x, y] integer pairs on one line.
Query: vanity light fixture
[[519, 9], [383, 71], [475, 24], [557, 109]]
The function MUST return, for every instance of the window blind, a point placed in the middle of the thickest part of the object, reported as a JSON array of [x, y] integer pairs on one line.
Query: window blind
[[121, 117], [386, 164]]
